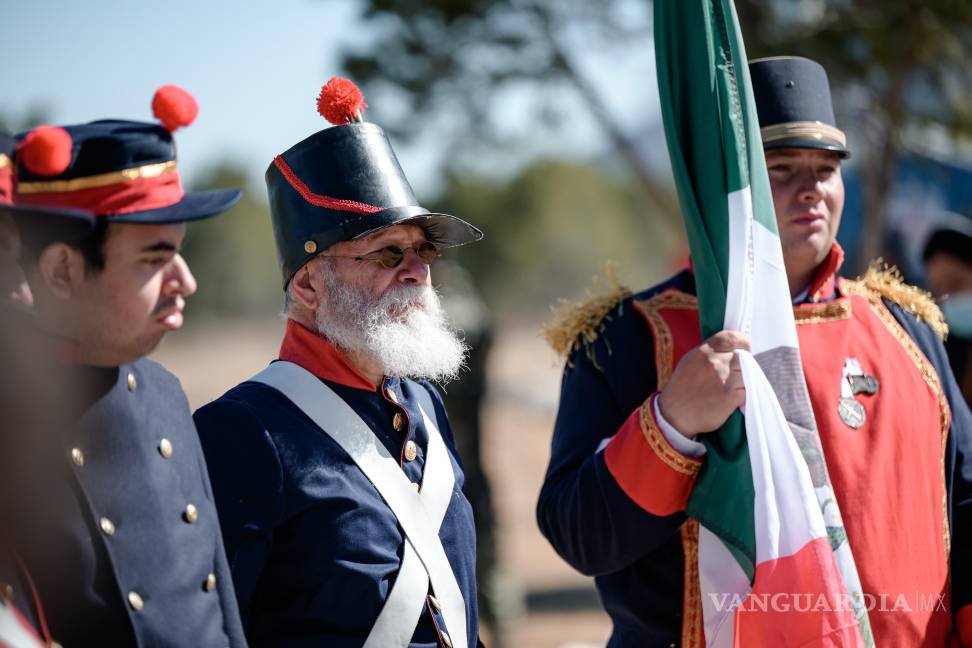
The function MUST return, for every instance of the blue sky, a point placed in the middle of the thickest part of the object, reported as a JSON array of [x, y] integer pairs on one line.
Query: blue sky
[[254, 67]]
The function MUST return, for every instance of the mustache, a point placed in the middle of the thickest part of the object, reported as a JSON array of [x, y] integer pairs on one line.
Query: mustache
[[169, 303]]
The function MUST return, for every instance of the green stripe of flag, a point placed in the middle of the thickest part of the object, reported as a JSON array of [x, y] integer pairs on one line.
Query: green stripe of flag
[[714, 143]]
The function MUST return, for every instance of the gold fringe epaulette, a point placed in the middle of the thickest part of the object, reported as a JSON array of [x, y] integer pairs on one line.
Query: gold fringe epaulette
[[887, 282], [577, 323]]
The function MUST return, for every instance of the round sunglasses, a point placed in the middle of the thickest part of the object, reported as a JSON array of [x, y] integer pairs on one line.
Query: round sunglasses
[[391, 256]]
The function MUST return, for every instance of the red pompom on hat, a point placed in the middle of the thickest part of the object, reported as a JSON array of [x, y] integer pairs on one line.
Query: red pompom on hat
[[340, 101], [46, 151], [174, 107]]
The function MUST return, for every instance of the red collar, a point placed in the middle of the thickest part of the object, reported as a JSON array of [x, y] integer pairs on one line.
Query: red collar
[[317, 355], [822, 286]]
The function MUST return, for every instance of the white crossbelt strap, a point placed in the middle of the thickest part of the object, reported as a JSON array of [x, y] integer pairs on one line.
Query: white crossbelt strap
[[419, 514]]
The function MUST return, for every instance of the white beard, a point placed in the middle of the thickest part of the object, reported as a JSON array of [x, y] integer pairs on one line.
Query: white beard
[[405, 329]]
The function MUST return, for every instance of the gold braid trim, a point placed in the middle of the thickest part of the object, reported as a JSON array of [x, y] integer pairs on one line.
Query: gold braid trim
[[577, 323], [887, 282], [692, 596], [822, 312], [925, 369], [664, 340], [660, 445]]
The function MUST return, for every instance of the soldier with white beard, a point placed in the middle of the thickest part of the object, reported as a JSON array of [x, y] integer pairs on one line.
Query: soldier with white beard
[[335, 473]]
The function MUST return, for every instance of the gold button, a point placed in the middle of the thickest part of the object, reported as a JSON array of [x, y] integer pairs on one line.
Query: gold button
[[446, 640], [7, 590], [435, 603], [410, 450], [135, 601], [310, 247], [132, 383], [210, 583], [391, 395], [77, 456], [415, 486], [398, 421], [107, 526], [191, 514], [165, 448]]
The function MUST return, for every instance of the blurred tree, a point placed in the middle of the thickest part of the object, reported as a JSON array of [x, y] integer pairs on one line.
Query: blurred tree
[[233, 255], [894, 65], [463, 56], [897, 67], [549, 230], [34, 115]]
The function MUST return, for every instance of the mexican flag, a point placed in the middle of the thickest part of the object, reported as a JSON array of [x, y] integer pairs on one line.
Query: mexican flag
[[774, 562]]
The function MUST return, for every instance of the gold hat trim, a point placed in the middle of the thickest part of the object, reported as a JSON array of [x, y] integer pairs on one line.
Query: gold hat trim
[[809, 129], [101, 180]]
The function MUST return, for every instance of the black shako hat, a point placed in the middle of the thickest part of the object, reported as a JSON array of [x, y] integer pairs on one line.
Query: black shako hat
[[344, 183], [794, 105], [37, 226], [122, 171]]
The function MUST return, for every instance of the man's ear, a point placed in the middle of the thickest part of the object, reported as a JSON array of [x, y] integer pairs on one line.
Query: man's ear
[[61, 269], [303, 289]]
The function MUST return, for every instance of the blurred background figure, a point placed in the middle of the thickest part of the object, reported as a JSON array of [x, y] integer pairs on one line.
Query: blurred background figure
[[948, 273]]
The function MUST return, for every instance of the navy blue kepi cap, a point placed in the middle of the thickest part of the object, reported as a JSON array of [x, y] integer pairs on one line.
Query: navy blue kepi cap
[[37, 226], [123, 171], [794, 105]]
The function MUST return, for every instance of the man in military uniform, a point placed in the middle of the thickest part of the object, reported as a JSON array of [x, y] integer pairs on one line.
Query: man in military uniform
[[335, 471], [110, 508], [23, 390], [13, 286], [896, 433]]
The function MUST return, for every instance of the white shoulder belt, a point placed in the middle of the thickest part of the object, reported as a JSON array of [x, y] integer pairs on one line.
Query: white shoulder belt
[[420, 514]]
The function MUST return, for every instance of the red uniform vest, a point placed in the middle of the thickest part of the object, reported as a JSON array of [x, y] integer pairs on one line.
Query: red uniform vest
[[888, 475]]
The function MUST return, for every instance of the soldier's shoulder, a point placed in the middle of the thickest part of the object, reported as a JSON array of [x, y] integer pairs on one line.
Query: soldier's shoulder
[[885, 282], [607, 313]]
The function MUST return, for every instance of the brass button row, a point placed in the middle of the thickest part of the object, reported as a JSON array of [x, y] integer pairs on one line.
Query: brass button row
[[165, 449], [411, 450], [135, 600]]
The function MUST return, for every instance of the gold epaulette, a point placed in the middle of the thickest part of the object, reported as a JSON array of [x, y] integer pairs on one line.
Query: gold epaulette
[[887, 282], [577, 323]]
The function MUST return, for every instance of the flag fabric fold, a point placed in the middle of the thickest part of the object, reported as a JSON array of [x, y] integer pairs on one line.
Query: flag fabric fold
[[775, 566]]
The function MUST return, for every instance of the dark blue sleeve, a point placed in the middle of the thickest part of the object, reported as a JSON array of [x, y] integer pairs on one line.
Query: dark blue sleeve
[[582, 510], [247, 482], [958, 457]]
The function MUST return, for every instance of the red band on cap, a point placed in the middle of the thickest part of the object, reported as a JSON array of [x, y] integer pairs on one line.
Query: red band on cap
[[6, 185], [137, 195], [318, 200]]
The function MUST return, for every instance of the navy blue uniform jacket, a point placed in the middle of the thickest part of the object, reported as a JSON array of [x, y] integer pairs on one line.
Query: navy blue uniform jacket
[[313, 548], [114, 517]]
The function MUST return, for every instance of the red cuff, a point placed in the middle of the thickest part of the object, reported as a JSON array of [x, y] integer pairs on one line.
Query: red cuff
[[656, 476]]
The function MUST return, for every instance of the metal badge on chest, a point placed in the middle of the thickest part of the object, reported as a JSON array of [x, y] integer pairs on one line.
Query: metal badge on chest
[[853, 382]]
